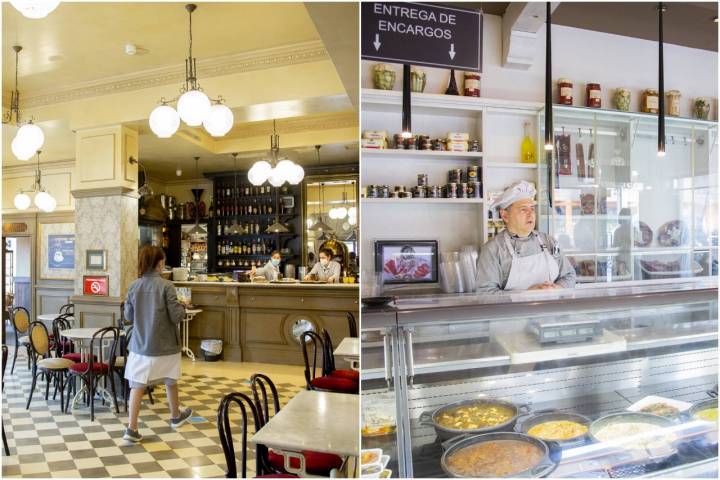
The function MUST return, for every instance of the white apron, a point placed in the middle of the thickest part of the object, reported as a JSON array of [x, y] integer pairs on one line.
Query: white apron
[[531, 269], [145, 369]]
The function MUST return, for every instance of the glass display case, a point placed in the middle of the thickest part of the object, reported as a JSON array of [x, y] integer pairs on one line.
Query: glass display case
[[621, 212], [438, 371]]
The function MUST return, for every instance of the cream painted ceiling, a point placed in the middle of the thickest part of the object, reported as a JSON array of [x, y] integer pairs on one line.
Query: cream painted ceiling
[[84, 42]]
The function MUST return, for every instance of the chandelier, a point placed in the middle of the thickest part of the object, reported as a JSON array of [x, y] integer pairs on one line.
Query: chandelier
[[280, 171], [43, 200], [29, 137], [35, 8], [193, 106]]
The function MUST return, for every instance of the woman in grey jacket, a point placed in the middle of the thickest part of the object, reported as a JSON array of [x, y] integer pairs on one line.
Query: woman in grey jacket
[[153, 308]]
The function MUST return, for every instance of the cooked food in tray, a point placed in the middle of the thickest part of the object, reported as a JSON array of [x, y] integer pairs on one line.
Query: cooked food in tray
[[475, 416], [709, 414], [558, 430], [662, 409], [499, 458], [370, 456]]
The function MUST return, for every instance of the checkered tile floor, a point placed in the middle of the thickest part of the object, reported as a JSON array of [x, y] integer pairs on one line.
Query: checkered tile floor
[[45, 443]]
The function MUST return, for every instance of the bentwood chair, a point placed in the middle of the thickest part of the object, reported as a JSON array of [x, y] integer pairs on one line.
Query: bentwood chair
[[95, 368], [352, 325], [64, 347], [315, 356], [245, 405], [331, 370], [4, 364], [316, 463], [20, 318], [67, 309], [54, 369]]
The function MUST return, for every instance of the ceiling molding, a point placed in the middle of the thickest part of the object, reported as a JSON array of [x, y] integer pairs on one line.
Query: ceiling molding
[[105, 192], [296, 125], [295, 54], [32, 166]]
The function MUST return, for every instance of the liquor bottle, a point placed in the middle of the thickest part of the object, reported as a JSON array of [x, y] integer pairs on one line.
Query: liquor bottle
[[452, 88], [219, 228], [257, 228], [527, 148]]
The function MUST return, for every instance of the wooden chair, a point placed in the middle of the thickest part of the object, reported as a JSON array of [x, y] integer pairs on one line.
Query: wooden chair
[[315, 463], [352, 325], [245, 404], [91, 371], [43, 363], [312, 341], [331, 370], [20, 318]]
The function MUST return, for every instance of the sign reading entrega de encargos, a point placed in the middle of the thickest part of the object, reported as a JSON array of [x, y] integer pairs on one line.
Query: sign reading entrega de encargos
[[420, 34]]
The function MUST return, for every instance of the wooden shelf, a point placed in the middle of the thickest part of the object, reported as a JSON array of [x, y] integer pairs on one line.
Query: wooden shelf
[[415, 201], [396, 153]]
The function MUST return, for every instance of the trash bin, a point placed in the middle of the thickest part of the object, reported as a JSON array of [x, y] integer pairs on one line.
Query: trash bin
[[212, 349]]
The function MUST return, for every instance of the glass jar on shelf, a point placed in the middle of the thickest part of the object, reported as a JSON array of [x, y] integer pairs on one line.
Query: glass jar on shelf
[[565, 91], [673, 102], [650, 101], [592, 95]]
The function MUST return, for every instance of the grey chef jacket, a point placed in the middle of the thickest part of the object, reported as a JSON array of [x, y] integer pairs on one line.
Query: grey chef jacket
[[269, 271], [495, 260], [324, 273]]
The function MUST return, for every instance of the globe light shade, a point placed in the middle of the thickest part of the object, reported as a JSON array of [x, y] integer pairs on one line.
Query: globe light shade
[[352, 220], [297, 175], [352, 212], [51, 205], [284, 169], [164, 121], [309, 222], [332, 213], [341, 212], [193, 107], [275, 179], [21, 201], [219, 121], [259, 172], [31, 136], [44, 202], [35, 8], [21, 150]]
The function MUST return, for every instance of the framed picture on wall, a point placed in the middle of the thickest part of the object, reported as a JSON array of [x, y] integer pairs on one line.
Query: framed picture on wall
[[407, 261], [57, 251], [95, 260]]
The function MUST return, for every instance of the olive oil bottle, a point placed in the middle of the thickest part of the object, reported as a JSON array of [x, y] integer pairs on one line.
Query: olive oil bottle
[[527, 148]]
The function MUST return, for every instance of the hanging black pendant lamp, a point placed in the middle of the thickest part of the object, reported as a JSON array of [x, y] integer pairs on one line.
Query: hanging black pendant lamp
[[661, 80], [548, 99], [406, 122]]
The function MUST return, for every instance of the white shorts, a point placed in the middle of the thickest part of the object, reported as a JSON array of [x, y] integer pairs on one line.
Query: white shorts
[[145, 370]]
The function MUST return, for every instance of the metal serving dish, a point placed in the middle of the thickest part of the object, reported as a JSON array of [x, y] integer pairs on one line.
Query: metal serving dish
[[543, 468], [544, 416], [700, 406], [444, 433], [656, 453]]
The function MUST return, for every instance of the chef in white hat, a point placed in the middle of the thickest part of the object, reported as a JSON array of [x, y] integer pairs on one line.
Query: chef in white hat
[[520, 257]]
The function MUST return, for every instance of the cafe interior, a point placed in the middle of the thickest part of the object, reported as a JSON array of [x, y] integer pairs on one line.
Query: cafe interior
[[225, 134]]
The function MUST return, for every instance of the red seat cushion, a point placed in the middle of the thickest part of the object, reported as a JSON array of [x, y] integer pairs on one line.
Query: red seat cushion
[[349, 374], [82, 367], [75, 357], [316, 463], [335, 384], [278, 475]]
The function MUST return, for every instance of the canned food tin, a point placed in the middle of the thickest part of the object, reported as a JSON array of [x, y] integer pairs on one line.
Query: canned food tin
[[472, 173], [474, 190], [451, 190], [384, 192], [474, 146], [404, 194], [399, 188], [426, 145], [393, 195], [419, 192], [438, 145], [433, 191], [422, 179], [372, 191], [455, 175], [399, 141], [463, 190], [411, 143]]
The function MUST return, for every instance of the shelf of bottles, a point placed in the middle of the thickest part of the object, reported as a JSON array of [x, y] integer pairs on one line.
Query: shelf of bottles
[[241, 215]]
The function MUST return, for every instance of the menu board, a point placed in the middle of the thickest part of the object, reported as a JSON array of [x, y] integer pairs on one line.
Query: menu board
[[61, 251]]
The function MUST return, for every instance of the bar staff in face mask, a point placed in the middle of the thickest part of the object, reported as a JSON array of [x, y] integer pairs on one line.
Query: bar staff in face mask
[[271, 270], [327, 270], [520, 257]]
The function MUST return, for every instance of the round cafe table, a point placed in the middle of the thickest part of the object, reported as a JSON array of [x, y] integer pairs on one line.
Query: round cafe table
[[83, 337]]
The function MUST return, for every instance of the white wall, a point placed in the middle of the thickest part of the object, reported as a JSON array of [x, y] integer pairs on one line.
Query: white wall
[[584, 56]]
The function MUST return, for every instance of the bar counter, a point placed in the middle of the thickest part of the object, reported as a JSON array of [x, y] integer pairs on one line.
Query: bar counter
[[255, 320]]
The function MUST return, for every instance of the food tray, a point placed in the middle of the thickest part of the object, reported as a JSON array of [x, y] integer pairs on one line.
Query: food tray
[[649, 400]]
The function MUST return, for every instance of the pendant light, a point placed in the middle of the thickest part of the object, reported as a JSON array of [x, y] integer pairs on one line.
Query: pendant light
[[277, 227], [661, 81], [280, 171], [235, 228], [43, 200], [548, 100], [406, 114], [321, 226], [29, 137], [35, 8], [194, 107], [197, 193]]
